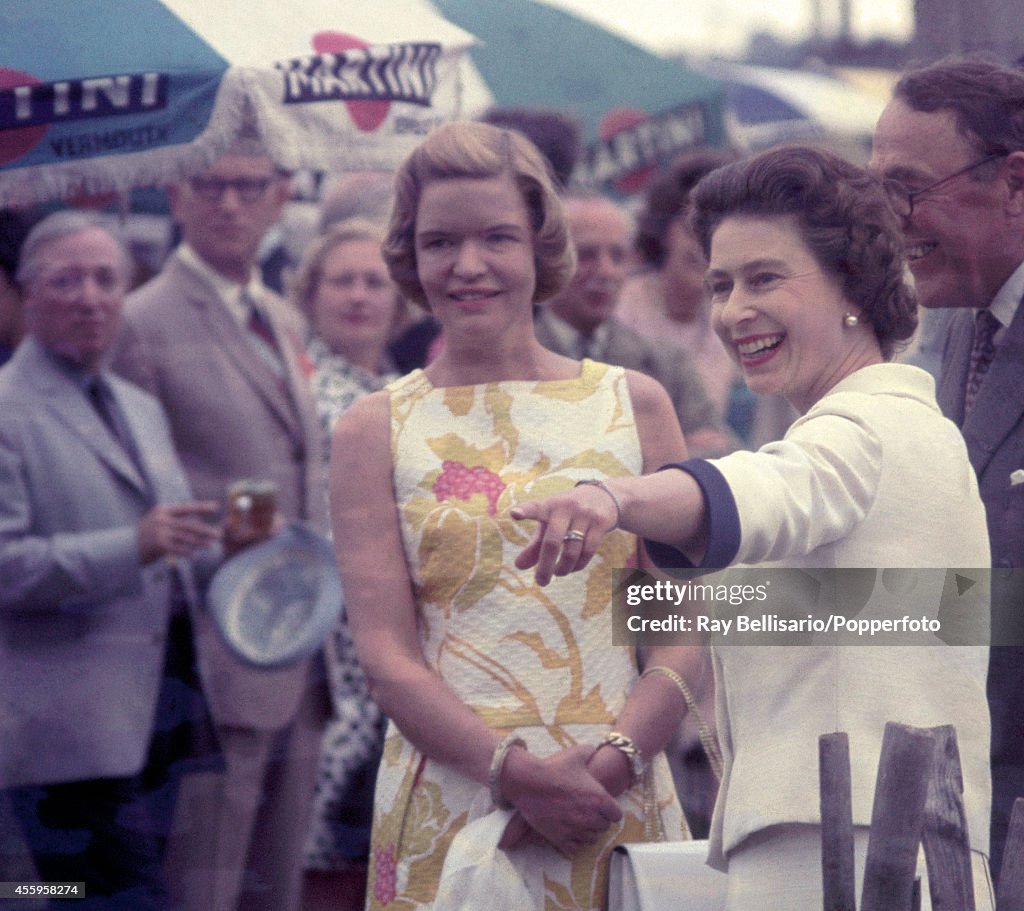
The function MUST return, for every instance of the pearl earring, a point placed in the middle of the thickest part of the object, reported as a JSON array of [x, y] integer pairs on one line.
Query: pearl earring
[[850, 320]]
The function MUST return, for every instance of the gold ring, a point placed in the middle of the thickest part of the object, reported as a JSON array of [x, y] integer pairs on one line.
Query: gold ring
[[573, 536]]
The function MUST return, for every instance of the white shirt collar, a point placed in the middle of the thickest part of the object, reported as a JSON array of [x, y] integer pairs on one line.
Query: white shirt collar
[[570, 339], [229, 292], [1004, 305]]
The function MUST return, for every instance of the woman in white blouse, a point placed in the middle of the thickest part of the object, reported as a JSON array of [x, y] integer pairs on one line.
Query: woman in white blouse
[[806, 279]]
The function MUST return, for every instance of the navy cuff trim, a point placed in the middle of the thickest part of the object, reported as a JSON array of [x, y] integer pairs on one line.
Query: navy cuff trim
[[723, 521]]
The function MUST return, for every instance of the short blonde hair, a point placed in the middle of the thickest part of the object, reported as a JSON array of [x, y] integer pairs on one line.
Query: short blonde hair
[[307, 279], [469, 149]]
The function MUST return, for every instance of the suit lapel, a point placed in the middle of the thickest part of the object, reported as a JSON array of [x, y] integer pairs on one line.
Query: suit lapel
[[288, 347], [67, 401], [232, 340], [301, 409], [956, 359], [155, 452], [1000, 402]]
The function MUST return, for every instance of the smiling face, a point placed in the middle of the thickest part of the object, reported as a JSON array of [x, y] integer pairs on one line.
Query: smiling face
[[601, 232], [474, 253], [355, 303], [961, 245], [779, 314], [73, 305]]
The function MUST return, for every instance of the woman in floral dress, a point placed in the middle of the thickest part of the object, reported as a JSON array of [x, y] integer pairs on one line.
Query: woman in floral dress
[[501, 694]]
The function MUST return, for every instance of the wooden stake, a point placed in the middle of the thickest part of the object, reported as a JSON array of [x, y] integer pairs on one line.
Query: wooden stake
[[897, 817], [839, 881], [947, 847], [1010, 891]]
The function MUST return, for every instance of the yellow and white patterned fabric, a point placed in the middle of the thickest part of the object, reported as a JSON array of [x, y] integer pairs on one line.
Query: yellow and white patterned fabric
[[536, 661]]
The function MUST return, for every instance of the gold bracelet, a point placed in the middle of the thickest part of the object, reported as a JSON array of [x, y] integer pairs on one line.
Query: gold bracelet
[[501, 752], [629, 749], [707, 738]]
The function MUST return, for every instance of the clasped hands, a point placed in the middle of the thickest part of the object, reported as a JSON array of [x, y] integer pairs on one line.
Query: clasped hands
[[566, 798]]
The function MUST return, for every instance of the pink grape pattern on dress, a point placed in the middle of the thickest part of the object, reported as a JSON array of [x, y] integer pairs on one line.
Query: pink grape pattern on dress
[[458, 481], [385, 885]]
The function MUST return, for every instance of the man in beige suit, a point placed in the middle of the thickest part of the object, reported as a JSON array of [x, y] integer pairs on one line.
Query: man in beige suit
[[221, 353]]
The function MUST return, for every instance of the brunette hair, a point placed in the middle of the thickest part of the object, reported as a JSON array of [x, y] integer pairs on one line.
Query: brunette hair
[[668, 198], [556, 133], [478, 150], [986, 100], [843, 216]]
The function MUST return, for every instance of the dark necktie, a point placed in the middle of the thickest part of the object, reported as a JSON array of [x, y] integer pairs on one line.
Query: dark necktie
[[982, 352], [260, 326], [102, 398], [263, 336]]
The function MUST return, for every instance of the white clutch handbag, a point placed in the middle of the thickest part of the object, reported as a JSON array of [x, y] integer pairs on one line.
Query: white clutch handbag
[[664, 876]]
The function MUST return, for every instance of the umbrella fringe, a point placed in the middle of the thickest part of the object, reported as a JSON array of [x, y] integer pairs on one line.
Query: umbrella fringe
[[306, 138], [158, 167]]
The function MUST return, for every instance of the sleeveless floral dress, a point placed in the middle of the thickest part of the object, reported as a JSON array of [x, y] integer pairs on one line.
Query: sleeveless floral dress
[[536, 661]]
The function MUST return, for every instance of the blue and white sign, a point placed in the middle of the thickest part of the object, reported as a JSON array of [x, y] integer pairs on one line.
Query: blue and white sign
[[100, 95]]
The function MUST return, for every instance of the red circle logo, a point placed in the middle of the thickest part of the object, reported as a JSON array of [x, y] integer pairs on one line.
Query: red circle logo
[[16, 141], [621, 120], [366, 115]]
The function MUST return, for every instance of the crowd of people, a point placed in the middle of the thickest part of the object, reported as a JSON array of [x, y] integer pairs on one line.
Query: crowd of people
[[491, 389]]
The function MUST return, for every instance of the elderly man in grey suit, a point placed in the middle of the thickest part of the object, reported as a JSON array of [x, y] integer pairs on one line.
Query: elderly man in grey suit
[[579, 322], [96, 521], [221, 352], [950, 147]]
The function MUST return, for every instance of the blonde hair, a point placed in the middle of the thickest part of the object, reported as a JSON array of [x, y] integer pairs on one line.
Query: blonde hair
[[303, 288], [469, 149]]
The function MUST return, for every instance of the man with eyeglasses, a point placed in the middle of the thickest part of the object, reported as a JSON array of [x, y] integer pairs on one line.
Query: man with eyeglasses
[[950, 148], [222, 354]]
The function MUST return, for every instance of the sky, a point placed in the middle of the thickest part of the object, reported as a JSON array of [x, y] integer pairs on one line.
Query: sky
[[723, 27]]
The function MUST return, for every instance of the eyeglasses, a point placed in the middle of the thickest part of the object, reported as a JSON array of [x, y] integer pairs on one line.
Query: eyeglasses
[[902, 199], [248, 189]]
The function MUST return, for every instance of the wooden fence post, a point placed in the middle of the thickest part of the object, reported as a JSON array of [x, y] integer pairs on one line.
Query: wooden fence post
[[897, 817], [1010, 890], [839, 881], [947, 847]]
